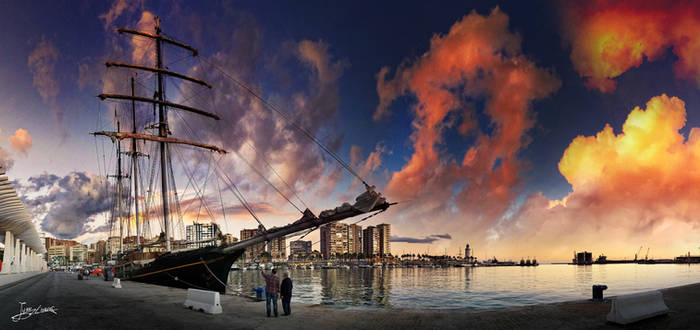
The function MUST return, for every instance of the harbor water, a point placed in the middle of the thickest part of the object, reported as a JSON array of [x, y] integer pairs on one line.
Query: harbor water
[[467, 288]]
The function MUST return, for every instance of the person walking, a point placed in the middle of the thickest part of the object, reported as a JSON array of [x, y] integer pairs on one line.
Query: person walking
[[272, 287], [286, 293]]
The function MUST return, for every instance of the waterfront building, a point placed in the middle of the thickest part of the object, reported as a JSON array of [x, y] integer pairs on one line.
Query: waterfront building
[[299, 247], [278, 249], [58, 245], [370, 241], [57, 255], [78, 253], [130, 242], [198, 232], [334, 239], [583, 258], [354, 239], [52, 241], [113, 245], [254, 251], [91, 256], [100, 250], [229, 239], [384, 236]]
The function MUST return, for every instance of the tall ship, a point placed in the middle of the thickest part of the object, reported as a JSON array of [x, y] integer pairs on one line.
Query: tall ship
[[163, 261]]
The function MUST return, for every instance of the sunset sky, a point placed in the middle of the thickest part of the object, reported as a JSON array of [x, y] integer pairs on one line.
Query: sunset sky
[[524, 129]]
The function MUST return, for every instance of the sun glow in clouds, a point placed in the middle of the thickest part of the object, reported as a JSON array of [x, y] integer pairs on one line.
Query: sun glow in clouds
[[641, 185]]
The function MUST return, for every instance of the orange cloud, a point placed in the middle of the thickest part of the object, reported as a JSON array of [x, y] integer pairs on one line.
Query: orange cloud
[[369, 165], [143, 49], [649, 166], [611, 37], [21, 142], [479, 59]]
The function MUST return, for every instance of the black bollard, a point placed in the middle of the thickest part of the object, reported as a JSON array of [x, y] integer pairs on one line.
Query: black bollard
[[598, 292]]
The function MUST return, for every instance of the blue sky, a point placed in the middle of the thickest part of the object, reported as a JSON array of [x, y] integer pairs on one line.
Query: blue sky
[[363, 36]]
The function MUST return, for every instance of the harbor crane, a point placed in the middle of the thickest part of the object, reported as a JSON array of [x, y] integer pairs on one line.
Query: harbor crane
[[646, 257], [636, 254]]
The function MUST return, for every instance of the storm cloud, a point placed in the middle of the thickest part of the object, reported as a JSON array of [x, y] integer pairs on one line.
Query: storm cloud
[[257, 133], [66, 206]]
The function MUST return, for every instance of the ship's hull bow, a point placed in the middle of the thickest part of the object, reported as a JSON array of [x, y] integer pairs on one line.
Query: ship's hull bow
[[205, 269]]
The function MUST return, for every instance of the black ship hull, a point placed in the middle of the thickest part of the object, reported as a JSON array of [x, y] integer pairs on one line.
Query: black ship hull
[[205, 268]]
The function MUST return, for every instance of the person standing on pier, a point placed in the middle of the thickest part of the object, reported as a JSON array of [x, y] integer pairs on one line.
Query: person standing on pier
[[286, 293], [272, 287]]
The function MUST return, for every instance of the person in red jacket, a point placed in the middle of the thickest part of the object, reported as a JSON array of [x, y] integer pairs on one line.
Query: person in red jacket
[[272, 287]]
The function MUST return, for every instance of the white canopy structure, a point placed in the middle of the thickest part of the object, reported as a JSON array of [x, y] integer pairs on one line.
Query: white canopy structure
[[23, 246]]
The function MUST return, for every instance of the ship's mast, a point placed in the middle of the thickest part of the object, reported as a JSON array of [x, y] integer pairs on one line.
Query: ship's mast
[[134, 158], [119, 192], [309, 220], [162, 132]]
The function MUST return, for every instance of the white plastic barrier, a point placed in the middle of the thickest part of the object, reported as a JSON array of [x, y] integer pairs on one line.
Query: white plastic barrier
[[117, 283], [206, 301], [638, 306]]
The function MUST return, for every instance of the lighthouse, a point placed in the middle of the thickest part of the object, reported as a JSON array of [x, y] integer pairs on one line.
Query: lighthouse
[[468, 253]]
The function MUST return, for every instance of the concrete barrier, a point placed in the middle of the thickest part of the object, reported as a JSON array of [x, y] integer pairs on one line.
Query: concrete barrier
[[117, 283], [205, 301], [635, 307]]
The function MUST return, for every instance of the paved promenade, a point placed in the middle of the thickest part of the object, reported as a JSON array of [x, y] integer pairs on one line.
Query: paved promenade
[[7, 280], [94, 304]]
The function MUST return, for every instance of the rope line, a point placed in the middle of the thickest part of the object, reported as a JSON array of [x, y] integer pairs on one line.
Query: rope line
[[294, 192], [274, 108], [214, 275], [268, 181]]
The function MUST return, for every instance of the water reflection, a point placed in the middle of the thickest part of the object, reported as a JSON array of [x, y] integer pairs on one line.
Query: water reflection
[[480, 287], [369, 286]]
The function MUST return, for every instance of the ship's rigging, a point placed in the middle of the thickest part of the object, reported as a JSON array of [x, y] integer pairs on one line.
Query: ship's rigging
[[161, 154]]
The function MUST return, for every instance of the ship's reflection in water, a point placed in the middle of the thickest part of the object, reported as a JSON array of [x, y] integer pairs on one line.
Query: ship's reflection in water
[[467, 288]]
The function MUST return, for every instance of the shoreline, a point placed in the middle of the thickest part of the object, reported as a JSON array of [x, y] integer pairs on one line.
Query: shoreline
[[138, 305]]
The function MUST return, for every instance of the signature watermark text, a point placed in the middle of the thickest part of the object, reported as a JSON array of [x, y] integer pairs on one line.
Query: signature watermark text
[[26, 312]]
